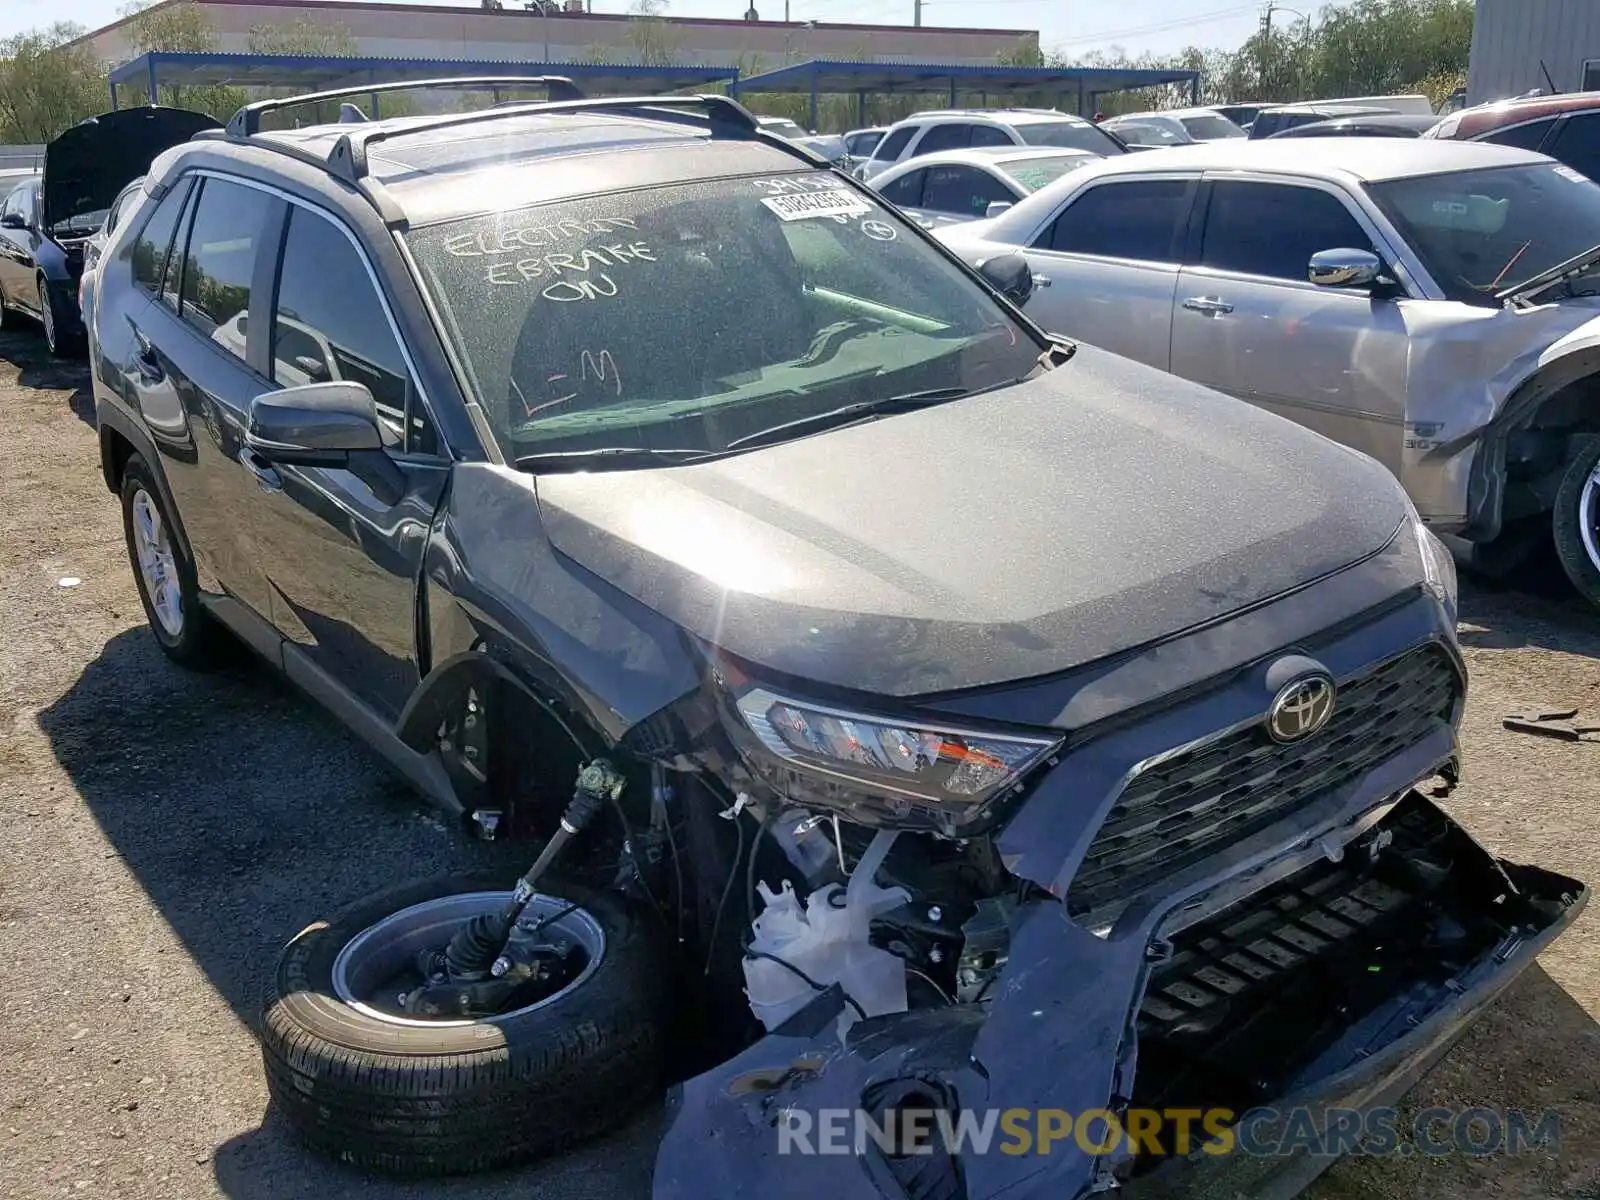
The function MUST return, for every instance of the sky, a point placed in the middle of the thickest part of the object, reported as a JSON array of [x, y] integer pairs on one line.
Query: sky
[[1074, 26]]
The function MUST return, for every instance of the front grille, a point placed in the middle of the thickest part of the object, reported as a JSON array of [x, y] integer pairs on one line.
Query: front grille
[[1193, 804]]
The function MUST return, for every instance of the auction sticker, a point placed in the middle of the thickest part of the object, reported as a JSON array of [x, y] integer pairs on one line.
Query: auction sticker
[[836, 202]]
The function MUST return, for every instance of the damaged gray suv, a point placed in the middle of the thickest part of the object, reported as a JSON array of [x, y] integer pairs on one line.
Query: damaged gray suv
[[912, 714]]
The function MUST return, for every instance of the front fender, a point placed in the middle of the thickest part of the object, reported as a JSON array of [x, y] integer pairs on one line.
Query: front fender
[[495, 582]]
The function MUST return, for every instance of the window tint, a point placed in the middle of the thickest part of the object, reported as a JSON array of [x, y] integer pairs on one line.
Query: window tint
[[220, 258], [1577, 143], [1070, 135], [890, 149], [963, 191], [1136, 220], [153, 246], [990, 135], [328, 323], [1273, 229], [1525, 137], [944, 137], [905, 191]]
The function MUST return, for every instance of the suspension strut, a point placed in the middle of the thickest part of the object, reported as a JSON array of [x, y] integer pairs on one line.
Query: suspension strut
[[476, 947]]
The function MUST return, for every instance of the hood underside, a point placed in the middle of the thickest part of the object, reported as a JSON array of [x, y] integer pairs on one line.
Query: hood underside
[[90, 163], [1099, 507]]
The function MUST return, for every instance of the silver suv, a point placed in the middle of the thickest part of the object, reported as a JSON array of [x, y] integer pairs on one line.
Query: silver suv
[[958, 128], [1434, 304]]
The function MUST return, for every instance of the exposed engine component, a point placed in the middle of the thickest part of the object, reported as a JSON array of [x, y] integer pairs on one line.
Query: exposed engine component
[[985, 948]]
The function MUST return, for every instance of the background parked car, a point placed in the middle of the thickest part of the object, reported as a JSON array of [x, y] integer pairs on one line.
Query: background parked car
[[127, 199], [963, 185], [1564, 127], [830, 145], [1149, 132], [1185, 124], [1391, 125], [46, 222], [860, 143], [956, 129], [1381, 292], [1242, 115], [1270, 121]]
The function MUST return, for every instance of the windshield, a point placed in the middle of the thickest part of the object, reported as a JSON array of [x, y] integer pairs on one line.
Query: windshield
[[784, 127], [1074, 135], [1481, 232], [1033, 173], [1142, 133], [1209, 127], [688, 317]]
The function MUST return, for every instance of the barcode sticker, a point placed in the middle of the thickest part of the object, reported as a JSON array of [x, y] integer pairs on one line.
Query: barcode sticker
[[836, 202]]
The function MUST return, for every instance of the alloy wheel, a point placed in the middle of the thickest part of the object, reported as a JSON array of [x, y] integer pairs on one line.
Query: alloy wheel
[[158, 566], [47, 317], [1589, 516]]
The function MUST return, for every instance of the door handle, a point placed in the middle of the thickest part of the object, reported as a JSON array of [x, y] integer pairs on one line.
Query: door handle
[[1041, 281], [144, 357], [267, 478], [1208, 305]]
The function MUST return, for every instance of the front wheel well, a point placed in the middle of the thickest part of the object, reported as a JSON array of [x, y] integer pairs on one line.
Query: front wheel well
[[1539, 449], [115, 451]]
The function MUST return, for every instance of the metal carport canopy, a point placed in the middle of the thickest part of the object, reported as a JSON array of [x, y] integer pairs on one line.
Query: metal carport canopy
[[314, 72], [1077, 83]]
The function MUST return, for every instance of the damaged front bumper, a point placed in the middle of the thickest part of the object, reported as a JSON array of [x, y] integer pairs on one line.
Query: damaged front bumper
[[1331, 974]]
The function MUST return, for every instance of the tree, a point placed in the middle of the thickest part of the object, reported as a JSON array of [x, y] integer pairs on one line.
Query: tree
[[47, 84], [655, 43], [183, 26], [319, 39]]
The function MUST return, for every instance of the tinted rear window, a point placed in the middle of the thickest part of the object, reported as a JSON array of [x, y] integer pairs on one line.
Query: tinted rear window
[[1073, 135]]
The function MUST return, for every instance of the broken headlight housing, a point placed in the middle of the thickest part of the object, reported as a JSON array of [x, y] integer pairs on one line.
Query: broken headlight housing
[[934, 774], [1438, 564]]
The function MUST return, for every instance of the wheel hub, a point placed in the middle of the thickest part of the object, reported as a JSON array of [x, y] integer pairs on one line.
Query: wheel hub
[[384, 972], [158, 566]]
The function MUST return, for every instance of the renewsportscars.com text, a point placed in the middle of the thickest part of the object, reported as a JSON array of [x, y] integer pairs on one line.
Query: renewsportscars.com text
[[1180, 1131]]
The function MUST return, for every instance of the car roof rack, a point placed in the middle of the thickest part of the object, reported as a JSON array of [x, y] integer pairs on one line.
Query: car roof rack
[[247, 121], [348, 159]]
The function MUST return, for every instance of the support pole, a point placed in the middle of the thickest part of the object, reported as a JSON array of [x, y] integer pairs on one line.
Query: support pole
[[150, 75], [113, 97], [1080, 97], [1194, 91], [813, 126], [861, 107], [952, 91]]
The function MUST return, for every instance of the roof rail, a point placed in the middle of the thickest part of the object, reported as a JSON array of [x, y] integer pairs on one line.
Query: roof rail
[[247, 120], [348, 159]]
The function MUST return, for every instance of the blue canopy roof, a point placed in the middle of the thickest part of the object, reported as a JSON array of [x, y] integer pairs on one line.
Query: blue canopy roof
[[1077, 83], [314, 72]]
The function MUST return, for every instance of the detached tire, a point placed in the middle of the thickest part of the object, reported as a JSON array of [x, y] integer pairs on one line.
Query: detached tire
[[1575, 524], [440, 1099]]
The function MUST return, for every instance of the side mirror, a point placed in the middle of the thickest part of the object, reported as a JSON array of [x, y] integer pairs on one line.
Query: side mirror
[[996, 207], [1010, 275], [314, 425], [13, 221], [1344, 268]]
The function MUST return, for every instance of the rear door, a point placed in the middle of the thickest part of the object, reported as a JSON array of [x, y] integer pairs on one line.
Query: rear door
[[1106, 266], [16, 254], [341, 548], [1249, 323]]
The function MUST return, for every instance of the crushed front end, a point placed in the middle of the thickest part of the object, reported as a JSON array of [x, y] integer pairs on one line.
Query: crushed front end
[[1194, 903]]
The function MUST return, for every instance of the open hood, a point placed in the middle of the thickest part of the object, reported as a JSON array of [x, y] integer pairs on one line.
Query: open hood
[[90, 163]]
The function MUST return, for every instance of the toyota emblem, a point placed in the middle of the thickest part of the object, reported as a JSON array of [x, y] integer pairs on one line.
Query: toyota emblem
[[1301, 707]]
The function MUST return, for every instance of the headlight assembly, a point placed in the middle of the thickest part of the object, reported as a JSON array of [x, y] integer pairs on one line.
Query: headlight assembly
[[1438, 564], [951, 770]]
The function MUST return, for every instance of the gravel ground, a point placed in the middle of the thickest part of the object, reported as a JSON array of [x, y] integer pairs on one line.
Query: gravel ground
[[165, 833]]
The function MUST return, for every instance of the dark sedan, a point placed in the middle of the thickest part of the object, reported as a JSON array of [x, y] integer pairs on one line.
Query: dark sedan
[[1396, 125], [47, 220]]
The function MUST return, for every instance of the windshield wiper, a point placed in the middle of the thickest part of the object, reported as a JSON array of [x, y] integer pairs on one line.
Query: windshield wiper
[[1570, 269], [608, 458], [849, 414]]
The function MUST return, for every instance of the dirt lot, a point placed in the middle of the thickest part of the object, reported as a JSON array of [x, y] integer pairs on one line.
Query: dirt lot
[[165, 833]]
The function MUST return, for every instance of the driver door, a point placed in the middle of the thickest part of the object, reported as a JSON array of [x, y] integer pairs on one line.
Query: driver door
[[1246, 320]]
